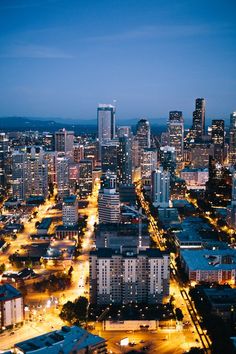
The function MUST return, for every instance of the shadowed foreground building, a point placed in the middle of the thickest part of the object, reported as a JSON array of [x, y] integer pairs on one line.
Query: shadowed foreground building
[[11, 306], [128, 275]]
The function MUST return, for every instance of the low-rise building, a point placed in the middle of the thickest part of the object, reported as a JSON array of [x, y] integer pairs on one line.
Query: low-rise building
[[210, 265], [70, 340], [195, 178], [11, 306]]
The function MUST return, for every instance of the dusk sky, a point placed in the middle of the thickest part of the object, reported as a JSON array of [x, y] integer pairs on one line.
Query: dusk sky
[[60, 58]]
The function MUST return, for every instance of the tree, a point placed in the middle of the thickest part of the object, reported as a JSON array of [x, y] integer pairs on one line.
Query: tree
[[179, 315], [2, 268], [196, 350], [75, 312]]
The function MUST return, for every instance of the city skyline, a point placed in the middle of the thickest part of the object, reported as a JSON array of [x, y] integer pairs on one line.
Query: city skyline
[[61, 59]]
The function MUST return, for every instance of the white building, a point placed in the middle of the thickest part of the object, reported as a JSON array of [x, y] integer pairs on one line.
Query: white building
[[11, 306], [195, 178], [129, 275], [160, 187], [108, 206], [70, 211], [62, 176], [148, 164]]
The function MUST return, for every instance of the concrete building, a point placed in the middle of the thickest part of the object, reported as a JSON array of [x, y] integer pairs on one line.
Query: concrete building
[[168, 159], [109, 153], [160, 188], [70, 211], [176, 138], [199, 155], [85, 178], [62, 176], [11, 306], [108, 206], [148, 164], [29, 173], [64, 142], [4, 147], [106, 123], [68, 340], [210, 265], [198, 127], [143, 134], [195, 178], [126, 276], [232, 139], [124, 160]]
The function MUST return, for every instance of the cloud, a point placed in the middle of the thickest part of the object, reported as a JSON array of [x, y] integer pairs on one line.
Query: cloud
[[31, 51], [162, 31]]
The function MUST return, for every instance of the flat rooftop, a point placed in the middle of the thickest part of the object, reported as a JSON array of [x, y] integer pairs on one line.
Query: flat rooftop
[[210, 259], [65, 340]]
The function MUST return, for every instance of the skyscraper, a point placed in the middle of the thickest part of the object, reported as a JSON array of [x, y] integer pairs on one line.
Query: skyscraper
[[160, 188], [198, 127], [4, 146], [85, 181], [64, 142], [125, 160], [148, 164], [176, 138], [62, 176], [168, 159], [218, 139], [109, 152], [70, 211], [176, 116], [143, 134], [108, 201], [106, 123], [232, 139]]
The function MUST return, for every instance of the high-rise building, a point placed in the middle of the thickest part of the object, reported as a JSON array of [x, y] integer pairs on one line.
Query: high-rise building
[[232, 139], [165, 139], [4, 146], [78, 152], [176, 138], [198, 127], [64, 142], [106, 123], [29, 173], [124, 171], [123, 131], [91, 149], [168, 159], [160, 187], [218, 139], [62, 176], [176, 116], [108, 201], [70, 211], [143, 134], [128, 275], [85, 180], [199, 155], [148, 164], [109, 152]]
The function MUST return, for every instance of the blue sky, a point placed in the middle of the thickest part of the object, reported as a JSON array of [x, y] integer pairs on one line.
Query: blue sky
[[60, 58]]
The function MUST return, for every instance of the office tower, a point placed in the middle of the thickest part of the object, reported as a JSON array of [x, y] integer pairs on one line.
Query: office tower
[[124, 159], [123, 131], [128, 275], [106, 123], [78, 152], [64, 142], [109, 202], [233, 200], [199, 155], [232, 139], [70, 211], [62, 176], [108, 180], [35, 172], [136, 159], [176, 138], [160, 187], [50, 157], [85, 178], [218, 139], [11, 307], [198, 127], [91, 151], [18, 173], [218, 132], [148, 164], [165, 139], [143, 134], [4, 146], [109, 152], [176, 116], [231, 209], [168, 159]]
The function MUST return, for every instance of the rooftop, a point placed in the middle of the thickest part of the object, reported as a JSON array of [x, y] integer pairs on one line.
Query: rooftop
[[65, 340], [8, 292], [210, 259]]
